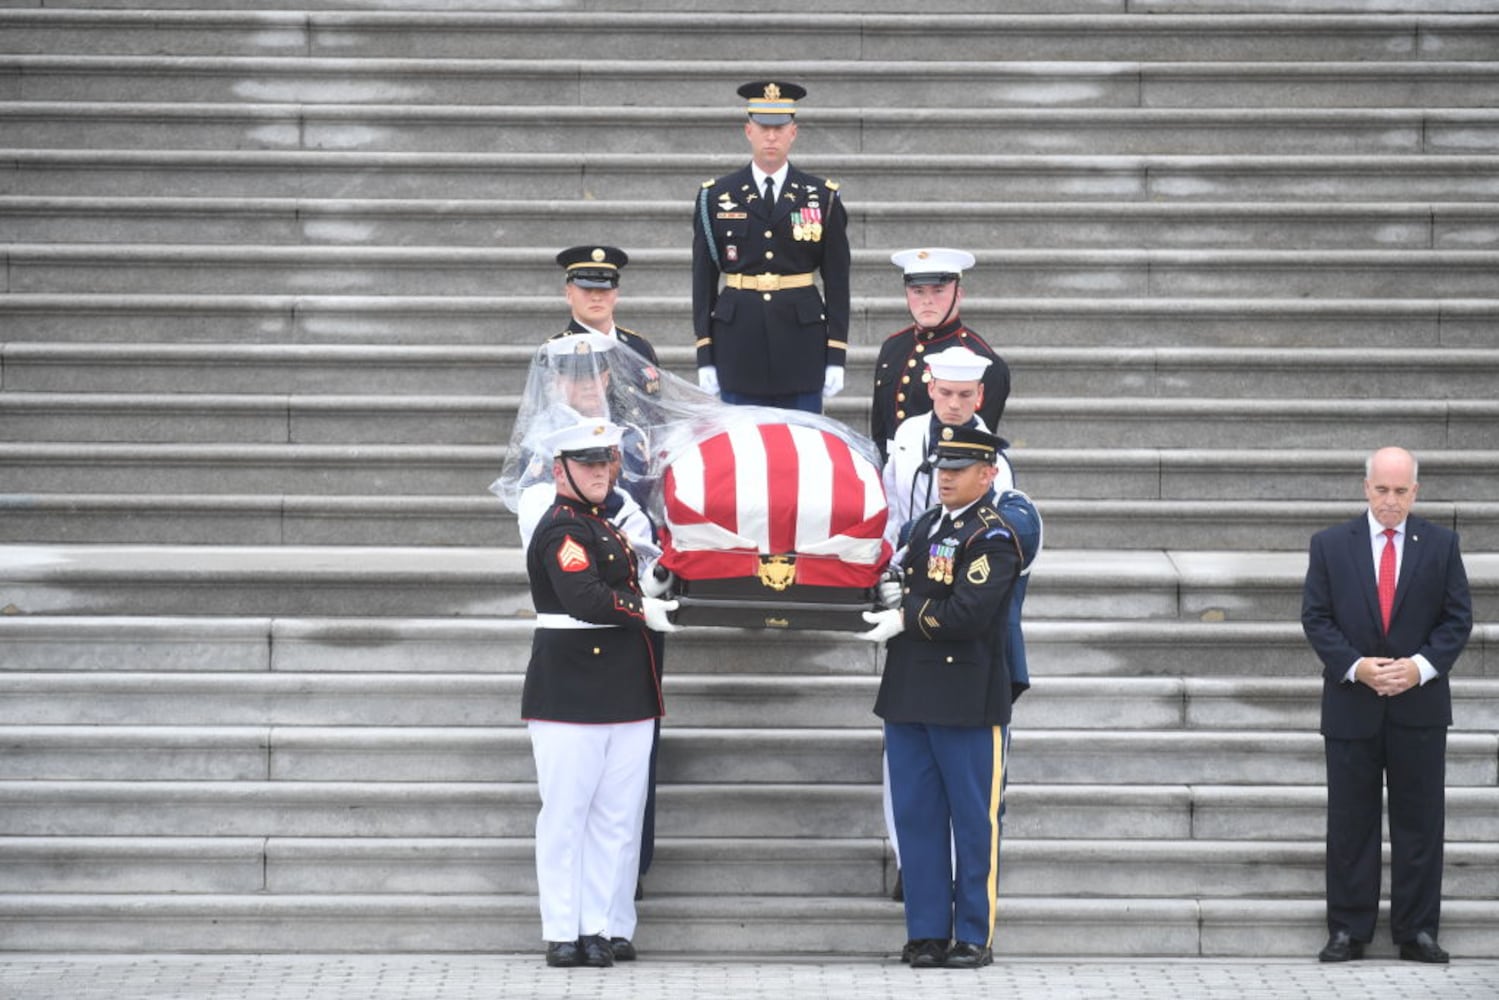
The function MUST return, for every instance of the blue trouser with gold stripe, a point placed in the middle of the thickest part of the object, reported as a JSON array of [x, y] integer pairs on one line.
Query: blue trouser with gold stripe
[[947, 793]]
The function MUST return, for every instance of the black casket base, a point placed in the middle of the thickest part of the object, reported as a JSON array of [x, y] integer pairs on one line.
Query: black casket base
[[747, 602]]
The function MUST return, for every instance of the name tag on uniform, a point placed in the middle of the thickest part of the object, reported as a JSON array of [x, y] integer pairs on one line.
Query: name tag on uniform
[[732, 215]]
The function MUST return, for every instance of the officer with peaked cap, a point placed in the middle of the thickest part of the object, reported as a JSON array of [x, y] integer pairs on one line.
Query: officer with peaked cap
[[761, 236], [933, 283], [945, 699], [591, 284], [590, 701]]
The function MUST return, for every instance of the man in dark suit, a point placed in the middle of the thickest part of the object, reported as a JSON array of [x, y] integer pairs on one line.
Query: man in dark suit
[[1386, 608], [766, 336]]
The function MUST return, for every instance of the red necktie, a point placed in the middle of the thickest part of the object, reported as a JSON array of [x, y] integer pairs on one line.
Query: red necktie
[[1387, 578]]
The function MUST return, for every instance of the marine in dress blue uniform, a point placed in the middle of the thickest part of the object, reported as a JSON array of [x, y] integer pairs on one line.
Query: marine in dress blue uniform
[[945, 697], [764, 334], [900, 376]]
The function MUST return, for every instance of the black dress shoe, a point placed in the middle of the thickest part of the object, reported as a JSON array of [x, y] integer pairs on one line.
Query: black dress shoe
[[966, 955], [928, 953], [596, 951], [1341, 947], [1423, 948], [623, 950], [563, 954]]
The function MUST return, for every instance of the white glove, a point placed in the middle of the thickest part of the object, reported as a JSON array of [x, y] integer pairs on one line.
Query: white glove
[[655, 614], [707, 379], [832, 381], [886, 624], [650, 586], [890, 593]]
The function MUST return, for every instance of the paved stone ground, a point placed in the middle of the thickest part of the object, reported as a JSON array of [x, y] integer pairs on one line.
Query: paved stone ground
[[468, 977]]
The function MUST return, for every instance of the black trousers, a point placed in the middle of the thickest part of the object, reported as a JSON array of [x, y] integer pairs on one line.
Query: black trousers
[[1414, 763]]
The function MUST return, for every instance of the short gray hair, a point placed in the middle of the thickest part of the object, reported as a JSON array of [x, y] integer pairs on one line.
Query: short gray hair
[[1415, 466]]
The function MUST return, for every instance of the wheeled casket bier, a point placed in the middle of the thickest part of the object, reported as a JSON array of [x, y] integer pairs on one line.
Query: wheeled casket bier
[[773, 525]]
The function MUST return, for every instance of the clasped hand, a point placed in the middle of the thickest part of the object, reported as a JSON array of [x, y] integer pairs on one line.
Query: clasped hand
[[1388, 677]]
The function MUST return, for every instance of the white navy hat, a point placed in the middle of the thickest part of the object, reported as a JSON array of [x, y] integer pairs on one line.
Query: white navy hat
[[585, 441], [957, 364], [580, 355], [932, 265]]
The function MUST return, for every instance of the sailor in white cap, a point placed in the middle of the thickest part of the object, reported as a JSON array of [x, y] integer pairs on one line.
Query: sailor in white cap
[[590, 701], [954, 381], [933, 282]]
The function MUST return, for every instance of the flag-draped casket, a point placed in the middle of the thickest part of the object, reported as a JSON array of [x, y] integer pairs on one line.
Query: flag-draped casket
[[773, 525]]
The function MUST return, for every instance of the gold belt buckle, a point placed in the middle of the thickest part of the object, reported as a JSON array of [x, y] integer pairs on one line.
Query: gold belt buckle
[[767, 282]]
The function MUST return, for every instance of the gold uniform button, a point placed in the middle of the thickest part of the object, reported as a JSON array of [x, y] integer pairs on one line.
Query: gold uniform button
[[920, 348], [766, 296], [905, 380], [768, 234], [926, 376], [596, 651], [770, 254], [900, 397], [900, 414], [949, 659], [910, 362]]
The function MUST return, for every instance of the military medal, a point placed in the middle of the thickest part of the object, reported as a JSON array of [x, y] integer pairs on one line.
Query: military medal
[[731, 252], [940, 560]]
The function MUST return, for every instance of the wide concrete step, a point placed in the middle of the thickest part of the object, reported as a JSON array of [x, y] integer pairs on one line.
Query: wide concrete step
[[726, 925], [1259, 372], [270, 518], [1124, 476], [427, 581], [1071, 656], [811, 36], [484, 320], [658, 224], [139, 808], [1053, 422], [687, 131], [628, 176], [753, 867], [1150, 7], [695, 700], [836, 82], [1057, 649], [757, 756], [1130, 273]]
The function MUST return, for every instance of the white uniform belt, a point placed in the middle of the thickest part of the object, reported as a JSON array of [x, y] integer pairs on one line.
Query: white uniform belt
[[550, 620]]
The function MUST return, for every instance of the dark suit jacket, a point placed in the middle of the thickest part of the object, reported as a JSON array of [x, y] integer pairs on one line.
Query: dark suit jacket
[[780, 342], [1432, 616]]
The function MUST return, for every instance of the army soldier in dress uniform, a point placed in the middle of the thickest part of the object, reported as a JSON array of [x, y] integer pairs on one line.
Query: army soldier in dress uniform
[[933, 277], [945, 698], [765, 336], [592, 289], [590, 700]]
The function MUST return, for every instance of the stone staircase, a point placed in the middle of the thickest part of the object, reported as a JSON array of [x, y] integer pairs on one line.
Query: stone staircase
[[273, 275]]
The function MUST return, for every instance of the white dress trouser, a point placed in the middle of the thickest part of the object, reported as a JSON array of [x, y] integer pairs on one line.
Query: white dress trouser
[[592, 780]]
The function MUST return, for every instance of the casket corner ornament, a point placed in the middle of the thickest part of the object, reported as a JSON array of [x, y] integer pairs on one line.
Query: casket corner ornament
[[778, 572]]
